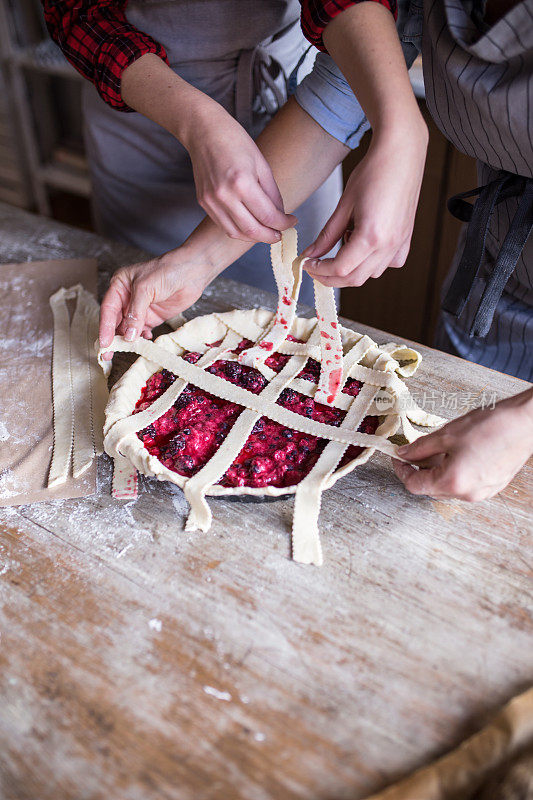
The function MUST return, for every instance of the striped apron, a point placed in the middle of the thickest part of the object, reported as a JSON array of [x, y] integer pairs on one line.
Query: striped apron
[[243, 55], [479, 89]]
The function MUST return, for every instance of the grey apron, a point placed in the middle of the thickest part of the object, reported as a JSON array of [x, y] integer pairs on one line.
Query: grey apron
[[242, 55], [479, 89]]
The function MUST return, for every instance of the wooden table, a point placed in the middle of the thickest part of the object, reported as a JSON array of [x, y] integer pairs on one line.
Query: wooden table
[[138, 661]]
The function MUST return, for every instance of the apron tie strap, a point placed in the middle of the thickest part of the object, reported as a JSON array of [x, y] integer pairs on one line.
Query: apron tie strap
[[478, 216], [258, 74], [261, 75]]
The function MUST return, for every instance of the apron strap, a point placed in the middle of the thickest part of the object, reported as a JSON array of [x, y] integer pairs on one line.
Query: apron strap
[[512, 246], [261, 73], [478, 216]]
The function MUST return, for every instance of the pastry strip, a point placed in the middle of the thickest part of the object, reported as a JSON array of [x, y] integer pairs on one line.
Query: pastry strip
[[62, 392], [79, 389], [305, 535], [288, 275], [99, 390], [331, 353], [125, 479], [83, 450]]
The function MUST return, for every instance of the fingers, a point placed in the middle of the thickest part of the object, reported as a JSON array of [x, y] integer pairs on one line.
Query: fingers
[[142, 295], [349, 257], [281, 221], [425, 446], [330, 234], [421, 481], [249, 229], [248, 208], [109, 320], [339, 271], [111, 311], [221, 218], [265, 211], [268, 183], [453, 477]]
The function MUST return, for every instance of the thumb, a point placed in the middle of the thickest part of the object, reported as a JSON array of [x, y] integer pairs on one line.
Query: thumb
[[330, 234], [135, 319], [271, 189], [424, 447]]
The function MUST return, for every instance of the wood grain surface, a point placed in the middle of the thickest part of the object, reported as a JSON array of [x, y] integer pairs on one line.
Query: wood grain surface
[[138, 661]]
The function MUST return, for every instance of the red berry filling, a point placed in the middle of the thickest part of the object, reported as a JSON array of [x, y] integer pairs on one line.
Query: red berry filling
[[186, 437]]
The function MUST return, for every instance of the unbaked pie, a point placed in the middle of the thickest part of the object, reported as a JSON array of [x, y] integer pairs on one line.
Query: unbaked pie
[[256, 403]]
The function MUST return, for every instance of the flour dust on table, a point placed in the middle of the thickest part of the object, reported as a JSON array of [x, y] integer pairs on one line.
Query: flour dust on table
[[261, 404]]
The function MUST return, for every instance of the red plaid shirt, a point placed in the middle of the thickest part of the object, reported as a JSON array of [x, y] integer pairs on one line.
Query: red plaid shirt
[[99, 42]]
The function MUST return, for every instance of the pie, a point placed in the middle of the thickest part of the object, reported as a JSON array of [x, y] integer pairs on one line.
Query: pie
[[256, 403]]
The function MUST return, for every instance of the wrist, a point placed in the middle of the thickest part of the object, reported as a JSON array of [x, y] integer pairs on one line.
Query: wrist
[[206, 253], [198, 114], [401, 129], [184, 261], [150, 86]]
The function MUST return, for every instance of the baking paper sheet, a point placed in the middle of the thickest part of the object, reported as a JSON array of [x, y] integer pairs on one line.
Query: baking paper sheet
[[26, 421]]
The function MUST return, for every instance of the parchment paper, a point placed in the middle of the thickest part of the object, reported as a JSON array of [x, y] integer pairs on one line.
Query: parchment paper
[[26, 421]]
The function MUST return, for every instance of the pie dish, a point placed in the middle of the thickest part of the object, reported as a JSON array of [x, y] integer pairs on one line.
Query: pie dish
[[256, 403]]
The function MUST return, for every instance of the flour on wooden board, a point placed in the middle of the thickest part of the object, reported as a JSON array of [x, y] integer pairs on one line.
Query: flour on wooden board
[[97, 521], [10, 485]]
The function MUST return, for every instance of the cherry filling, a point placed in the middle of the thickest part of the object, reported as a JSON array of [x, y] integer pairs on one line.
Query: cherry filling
[[186, 437]]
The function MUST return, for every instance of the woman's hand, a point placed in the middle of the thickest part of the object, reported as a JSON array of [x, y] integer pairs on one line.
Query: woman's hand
[[375, 214], [473, 457], [143, 296], [234, 183]]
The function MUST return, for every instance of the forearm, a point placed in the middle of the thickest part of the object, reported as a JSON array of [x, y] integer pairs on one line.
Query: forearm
[[301, 154], [364, 43], [151, 87]]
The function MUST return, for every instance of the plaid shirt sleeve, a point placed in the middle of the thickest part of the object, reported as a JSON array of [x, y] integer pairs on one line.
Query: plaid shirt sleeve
[[316, 14], [99, 42]]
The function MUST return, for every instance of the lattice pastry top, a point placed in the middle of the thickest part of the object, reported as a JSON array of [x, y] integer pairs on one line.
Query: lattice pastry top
[[250, 402]]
